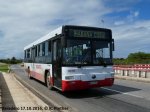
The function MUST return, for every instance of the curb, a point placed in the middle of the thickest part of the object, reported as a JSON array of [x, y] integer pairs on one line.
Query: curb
[[146, 80], [44, 98], [37, 93], [50, 102]]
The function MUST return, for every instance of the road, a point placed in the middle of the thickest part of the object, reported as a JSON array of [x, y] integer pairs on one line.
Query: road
[[123, 96]]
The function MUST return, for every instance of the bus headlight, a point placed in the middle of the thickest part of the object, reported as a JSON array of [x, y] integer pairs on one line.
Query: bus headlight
[[69, 77]]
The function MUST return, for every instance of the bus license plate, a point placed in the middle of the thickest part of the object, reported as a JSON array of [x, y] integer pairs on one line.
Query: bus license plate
[[93, 82]]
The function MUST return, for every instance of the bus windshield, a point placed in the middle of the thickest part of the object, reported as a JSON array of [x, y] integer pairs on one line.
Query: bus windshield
[[86, 52]]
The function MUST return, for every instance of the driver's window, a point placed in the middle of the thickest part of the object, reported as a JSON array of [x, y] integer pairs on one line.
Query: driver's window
[[99, 53]]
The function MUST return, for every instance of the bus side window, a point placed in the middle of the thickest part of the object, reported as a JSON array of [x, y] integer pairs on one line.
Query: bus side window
[[38, 50], [28, 53], [49, 47], [43, 49], [35, 51], [46, 48]]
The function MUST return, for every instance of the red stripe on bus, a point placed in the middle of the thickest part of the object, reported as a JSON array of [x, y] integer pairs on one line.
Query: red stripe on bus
[[38, 76], [80, 85]]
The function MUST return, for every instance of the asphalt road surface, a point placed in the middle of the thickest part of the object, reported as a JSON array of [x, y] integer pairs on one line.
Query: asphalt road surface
[[123, 96]]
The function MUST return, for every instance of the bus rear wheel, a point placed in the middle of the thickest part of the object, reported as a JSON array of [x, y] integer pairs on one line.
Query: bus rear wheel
[[48, 83]]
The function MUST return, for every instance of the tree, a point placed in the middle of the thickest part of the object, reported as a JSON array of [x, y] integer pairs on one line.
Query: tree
[[13, 60]]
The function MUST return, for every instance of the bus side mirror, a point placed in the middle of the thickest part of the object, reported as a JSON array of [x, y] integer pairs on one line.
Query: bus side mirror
[[113, 45]]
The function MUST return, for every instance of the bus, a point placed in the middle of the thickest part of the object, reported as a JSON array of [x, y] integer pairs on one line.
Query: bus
[[72, 58]]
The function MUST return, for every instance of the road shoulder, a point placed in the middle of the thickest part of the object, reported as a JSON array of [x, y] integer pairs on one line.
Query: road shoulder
[[14, 94]]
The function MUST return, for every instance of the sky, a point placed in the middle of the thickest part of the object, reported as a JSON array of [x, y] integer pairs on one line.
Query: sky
[[24, 21]]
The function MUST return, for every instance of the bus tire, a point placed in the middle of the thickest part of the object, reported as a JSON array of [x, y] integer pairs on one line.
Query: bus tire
[[48, 83]]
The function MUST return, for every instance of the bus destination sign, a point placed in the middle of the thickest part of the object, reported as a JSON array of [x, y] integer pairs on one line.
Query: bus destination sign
[[88, 34]]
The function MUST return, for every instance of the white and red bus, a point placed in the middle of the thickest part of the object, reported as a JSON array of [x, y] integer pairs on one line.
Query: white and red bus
[[72, 58]]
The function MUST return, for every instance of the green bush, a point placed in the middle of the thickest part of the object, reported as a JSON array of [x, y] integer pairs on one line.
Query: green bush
[[134, 58]]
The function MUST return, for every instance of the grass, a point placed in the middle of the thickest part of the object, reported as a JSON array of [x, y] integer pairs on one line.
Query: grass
[[3, 67]]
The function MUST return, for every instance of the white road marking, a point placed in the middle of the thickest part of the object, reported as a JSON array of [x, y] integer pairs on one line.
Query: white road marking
[[122, 92]]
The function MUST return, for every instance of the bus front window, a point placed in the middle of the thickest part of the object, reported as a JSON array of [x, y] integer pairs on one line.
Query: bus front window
[[77, 52], [87, 52], [101, 52]]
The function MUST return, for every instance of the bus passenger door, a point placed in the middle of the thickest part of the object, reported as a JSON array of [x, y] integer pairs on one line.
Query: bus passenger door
[[56, 46]]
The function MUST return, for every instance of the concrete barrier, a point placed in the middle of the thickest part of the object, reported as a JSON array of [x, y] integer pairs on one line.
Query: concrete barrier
[[136, 71]]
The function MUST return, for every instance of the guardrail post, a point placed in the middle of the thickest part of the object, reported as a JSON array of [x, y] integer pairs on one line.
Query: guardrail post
[[125, 72], [143, 74], [118, 72], [138, 73], [122, 72], [130, 73], [133, 73]]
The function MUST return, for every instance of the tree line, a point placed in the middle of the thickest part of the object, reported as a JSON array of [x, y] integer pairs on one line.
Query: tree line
[[134, 58], [13, 60]]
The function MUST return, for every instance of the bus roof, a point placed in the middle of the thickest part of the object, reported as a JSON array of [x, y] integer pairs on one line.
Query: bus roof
[[57, 32], [44, 38]]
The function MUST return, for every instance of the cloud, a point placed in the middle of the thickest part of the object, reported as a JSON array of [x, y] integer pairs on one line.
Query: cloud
[[136, 13], [133, 15], [132, 37], [119, 5], [119, 22], [23, 21]]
